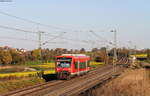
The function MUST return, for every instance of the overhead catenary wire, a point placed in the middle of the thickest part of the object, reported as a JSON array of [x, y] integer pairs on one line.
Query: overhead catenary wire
[[20, 30], [33, 32], [104, 39], [98, 36], [61, 34], [23, 39], [47, 34], [37, 23], [16, 29], [69, 39], [14, 38], [30, 21], [40, 24]]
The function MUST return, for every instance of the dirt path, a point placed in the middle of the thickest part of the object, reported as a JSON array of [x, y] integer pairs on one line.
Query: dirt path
[[6, 67]]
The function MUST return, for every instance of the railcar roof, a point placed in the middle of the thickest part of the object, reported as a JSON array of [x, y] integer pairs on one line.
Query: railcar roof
[[73, 56]]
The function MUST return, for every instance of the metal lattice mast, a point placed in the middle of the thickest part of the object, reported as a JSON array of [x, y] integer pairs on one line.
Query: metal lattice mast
[[115, 50]]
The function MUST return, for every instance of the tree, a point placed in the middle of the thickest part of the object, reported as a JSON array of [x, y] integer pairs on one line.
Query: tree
[[1, 55], [46, 55], [6, 58], [17, 57], [82, 50], [94, 50], [103, 55], [36, 54], [148, 52]]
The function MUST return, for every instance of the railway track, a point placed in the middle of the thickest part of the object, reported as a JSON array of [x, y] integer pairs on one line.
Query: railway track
[[71, 87], [31, 89], [82, 84]]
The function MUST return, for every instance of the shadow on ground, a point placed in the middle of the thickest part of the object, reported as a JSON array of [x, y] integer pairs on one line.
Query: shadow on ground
[[49, 77]]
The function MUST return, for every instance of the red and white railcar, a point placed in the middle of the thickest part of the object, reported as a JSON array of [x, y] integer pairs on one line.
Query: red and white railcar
[[69, 65]]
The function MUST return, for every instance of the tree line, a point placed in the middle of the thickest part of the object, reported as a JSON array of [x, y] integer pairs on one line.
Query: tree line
[[13, 56]]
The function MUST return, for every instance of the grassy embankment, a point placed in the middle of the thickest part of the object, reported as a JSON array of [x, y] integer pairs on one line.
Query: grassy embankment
[[131, 83], [10, 85], [96, 64]]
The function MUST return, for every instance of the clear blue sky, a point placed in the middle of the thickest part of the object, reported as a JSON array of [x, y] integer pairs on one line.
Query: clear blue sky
[[131, 19]]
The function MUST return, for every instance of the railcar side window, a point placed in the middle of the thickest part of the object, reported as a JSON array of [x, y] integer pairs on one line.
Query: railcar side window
[[64, 64]]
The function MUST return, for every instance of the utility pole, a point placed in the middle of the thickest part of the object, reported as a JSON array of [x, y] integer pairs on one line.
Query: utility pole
[[107, 57], [40, 51], [115, 50], [40, 45]]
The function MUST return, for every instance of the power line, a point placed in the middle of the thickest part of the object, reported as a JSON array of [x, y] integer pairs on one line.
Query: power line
[[47, 34], [27, 31], [22, 30], [70, 39], [98, 36], [37, 23], [16, 29], [61, 34], [30, 21], [14, 38], [23, 39], [58, 36]]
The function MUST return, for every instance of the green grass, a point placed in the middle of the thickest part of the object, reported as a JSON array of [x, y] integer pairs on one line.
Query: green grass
[[140, 55], [148, 61], [11, 70], [37, 62], [28, 63], [25, 74], [94, 64], [41, 68]]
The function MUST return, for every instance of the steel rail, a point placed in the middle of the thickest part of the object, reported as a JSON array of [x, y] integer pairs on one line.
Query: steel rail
[[31, 88]]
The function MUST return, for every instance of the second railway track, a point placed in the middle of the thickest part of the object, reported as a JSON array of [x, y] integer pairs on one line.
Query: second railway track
[[32, 89]]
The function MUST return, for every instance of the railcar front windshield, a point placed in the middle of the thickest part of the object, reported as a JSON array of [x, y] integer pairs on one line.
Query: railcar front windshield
[[64, 62]]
